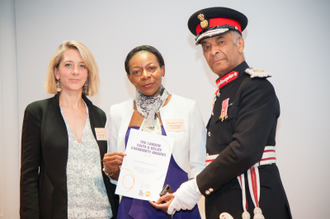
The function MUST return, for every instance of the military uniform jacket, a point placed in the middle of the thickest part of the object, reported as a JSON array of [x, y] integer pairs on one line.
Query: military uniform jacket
[[43, 192], [250, 125]]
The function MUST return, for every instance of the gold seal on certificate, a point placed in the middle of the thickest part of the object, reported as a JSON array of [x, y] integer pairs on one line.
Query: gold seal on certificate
[[144, 168]]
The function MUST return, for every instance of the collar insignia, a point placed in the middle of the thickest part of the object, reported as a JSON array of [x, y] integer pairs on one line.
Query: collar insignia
[[257, 73], [226, 79]]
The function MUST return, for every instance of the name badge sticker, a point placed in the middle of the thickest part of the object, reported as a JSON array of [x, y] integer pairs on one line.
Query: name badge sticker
[[175, 125], [101, 134]]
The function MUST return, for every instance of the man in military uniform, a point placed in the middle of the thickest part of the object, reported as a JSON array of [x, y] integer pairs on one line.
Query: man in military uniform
[[243, 180]]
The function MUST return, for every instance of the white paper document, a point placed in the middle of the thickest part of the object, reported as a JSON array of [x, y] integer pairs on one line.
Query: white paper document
[[144, 168]]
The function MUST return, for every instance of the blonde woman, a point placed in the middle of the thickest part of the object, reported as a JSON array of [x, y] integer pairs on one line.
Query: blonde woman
[[63, 144]]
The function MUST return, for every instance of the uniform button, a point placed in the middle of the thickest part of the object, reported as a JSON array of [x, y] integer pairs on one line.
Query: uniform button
[[209, 134], [207, 192], [211, 189]]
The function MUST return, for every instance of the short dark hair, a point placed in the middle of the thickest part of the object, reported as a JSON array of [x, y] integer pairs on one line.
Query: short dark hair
[[146, 48]]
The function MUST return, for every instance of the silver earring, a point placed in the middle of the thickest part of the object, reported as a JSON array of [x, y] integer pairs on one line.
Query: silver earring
[[58, 86]]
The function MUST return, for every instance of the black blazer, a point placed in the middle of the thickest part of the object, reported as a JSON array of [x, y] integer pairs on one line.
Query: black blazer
[[44, 155]]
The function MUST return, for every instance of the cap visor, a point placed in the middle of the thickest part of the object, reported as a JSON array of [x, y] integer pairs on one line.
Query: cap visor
[[211, 33]]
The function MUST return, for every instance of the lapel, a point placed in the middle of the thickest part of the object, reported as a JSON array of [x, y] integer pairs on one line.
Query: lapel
[[91, 113], [126, 116], [96, 121]]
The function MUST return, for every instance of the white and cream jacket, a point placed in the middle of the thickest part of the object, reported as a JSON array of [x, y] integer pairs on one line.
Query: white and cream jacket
[[189, 145]]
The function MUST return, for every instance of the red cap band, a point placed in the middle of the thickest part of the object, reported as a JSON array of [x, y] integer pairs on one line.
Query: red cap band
[[218, 22]]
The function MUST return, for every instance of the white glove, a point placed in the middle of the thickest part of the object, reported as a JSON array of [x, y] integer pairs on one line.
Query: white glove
[[185, 197]]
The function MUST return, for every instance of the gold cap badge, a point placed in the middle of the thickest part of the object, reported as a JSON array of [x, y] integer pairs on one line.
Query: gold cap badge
[[204, 23]]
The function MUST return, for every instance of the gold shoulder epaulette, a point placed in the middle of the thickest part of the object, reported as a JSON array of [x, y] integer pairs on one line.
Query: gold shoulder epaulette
[[257, 73]]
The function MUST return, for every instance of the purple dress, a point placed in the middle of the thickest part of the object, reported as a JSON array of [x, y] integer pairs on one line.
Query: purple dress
[[138, 209]]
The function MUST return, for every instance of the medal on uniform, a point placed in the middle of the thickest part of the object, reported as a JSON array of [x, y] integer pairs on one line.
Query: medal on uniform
[[217, 94], [224, 110]]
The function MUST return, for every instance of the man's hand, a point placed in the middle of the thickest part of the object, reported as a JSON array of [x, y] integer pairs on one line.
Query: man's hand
[[185, 197]]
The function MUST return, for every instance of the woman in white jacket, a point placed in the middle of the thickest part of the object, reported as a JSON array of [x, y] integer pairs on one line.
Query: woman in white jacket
[[155, 110]]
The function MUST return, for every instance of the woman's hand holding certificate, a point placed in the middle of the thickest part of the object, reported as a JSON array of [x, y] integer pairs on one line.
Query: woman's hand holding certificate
[[144, 168]]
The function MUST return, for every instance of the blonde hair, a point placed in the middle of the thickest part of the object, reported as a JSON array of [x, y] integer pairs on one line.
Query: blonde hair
[[93, 79]]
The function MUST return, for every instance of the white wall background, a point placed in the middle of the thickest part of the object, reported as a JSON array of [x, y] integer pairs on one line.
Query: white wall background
[[286, 38]]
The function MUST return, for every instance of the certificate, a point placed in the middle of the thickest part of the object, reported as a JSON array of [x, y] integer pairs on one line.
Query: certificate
[[144, 168]]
